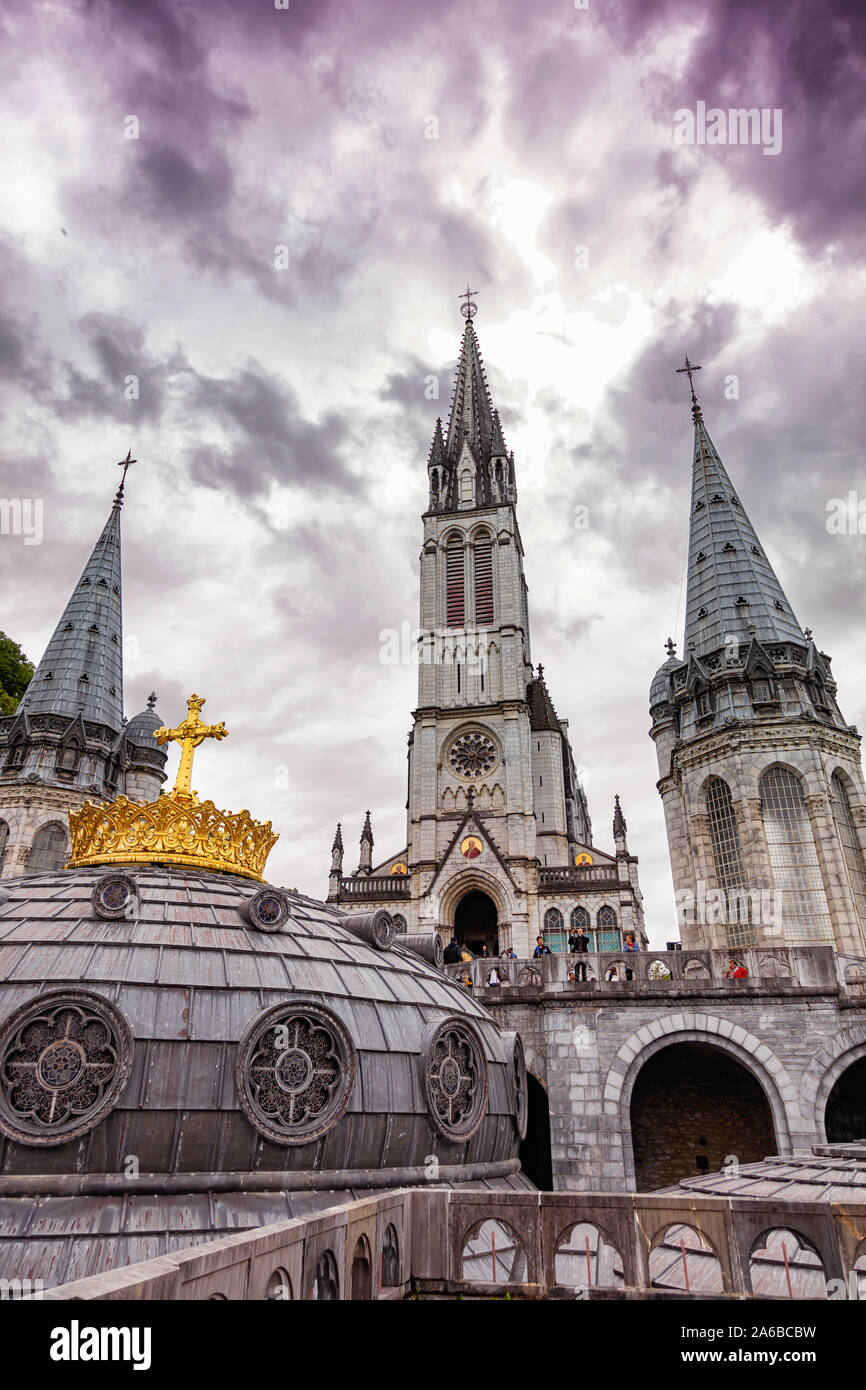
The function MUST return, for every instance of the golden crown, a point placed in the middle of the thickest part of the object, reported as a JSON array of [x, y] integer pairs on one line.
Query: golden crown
[[177, 828]]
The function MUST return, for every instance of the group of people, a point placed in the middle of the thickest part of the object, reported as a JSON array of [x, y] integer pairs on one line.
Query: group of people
[[579, 945]]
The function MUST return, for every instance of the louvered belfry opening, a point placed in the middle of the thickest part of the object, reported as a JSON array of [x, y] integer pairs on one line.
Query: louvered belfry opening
[[484, 582], [455, 604]]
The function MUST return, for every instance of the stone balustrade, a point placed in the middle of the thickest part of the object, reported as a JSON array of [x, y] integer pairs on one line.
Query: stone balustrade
[[665, 972], [376, 887], [441, 1243], [589, 876]]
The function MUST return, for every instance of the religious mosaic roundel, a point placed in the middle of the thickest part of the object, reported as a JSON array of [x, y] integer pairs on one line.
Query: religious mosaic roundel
[[113, 895], [473, 754], [296, 1068], [519, 1085], [64, 1060], [455, 1080], [269, 910]]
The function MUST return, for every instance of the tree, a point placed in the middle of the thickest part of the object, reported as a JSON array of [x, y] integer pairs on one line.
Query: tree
[[16, 673]]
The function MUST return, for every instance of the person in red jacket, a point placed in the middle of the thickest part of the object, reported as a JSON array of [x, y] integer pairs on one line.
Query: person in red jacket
[[735, 971]]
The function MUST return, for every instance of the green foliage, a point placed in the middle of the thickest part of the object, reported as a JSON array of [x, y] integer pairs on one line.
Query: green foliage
[[15, 674]]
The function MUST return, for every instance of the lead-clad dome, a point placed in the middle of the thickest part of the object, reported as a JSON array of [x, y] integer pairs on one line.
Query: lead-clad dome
[[183, 1052]]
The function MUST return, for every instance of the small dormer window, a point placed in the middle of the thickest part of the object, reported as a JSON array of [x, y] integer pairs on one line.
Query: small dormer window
[[755, 550], [93, 628], [111, 690], [717, 497], [704, 704], [729, 547], [16, 756], [741, 602], [85, 581], [780, 605], [116, 589], [701, 556], [84, 677], [735, 500], [114, 637], [49, 675], [69, 757], [67, 627], [760, 691], [102, 583], [699, 506], [702, 612]]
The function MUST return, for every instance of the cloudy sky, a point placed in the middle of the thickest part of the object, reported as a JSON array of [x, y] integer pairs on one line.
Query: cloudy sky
[[265, 217]]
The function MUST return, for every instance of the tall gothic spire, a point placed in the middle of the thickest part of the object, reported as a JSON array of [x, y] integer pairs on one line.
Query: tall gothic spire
[[471, 414], [81, 670], [733, 593]]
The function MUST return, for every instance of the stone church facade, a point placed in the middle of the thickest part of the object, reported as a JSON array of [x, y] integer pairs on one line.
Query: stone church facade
[[499, 843]]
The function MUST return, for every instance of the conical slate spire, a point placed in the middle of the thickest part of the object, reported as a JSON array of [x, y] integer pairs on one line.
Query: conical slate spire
[[367, 832], [619, 825], [497, 442], [338, 839], [82, 668], [733, 593], [471, 415]]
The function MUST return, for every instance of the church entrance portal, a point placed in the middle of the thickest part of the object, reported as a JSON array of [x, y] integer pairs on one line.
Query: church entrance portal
[[475, 923]]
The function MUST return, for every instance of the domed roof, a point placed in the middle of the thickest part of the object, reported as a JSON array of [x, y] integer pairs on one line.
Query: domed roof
[[143, 1016], [141, 727], [660, 687]]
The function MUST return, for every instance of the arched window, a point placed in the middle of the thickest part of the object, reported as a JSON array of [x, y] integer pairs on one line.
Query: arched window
[[4, 840], [69, 756], [455, 584], [554, 931], [484, 581], [608, 937], [728, 863], [850, 844], [800, 899], [16, 754], [50, 849], [581, 918], [390, 1262]]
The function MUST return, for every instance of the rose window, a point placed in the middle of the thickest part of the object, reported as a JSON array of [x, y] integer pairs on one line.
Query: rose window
[[63, 1062], [456, 1080], [473, 754], [295, 1073]]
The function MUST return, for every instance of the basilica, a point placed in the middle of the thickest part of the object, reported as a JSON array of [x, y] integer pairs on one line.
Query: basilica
[[499, 847]]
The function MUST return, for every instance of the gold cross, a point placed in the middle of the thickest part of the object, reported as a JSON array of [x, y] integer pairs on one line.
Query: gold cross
[[189, 735]]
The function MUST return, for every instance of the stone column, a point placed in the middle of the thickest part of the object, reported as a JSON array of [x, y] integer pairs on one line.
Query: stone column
[[834, 871]]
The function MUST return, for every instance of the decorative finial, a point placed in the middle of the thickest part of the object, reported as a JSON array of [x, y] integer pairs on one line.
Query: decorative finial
[[189, 735], [469, 309], [151, 700], [540, 671], [690, 368], [125, 464], [671, 647], [807, 633]]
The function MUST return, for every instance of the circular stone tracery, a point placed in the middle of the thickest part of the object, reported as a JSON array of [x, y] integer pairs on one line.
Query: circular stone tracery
[[455, 1080], [472, 755], [64, 1060], [295, 1073]]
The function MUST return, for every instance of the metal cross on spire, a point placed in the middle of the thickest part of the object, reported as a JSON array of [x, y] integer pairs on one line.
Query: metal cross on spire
[[125, 464], [689, 368], [469, 309]]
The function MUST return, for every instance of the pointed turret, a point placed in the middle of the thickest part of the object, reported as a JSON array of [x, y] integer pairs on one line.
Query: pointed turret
[[365, 863], [336, 866], [619, 826], [81, 670], [438, 471], [733, 593]]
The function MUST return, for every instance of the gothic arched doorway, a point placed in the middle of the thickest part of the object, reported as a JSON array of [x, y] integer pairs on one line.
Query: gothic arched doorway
[[535, 1150], [476, 923], [845, 1116], [692, 1108]]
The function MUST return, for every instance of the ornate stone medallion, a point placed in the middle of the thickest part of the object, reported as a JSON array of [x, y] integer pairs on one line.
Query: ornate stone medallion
[[295, 1072], [64, 1059], [472, 755], [455, 1080]]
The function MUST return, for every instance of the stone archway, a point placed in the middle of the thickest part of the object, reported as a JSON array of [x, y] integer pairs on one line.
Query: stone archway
[[694, 1108], [535, 1155], [781, 1094], [845, 1112], [476, 922]]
